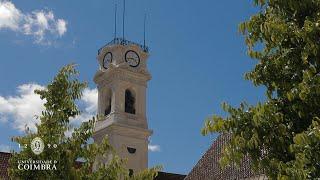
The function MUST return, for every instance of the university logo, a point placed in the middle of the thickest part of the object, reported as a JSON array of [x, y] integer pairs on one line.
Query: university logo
[[37, 146]]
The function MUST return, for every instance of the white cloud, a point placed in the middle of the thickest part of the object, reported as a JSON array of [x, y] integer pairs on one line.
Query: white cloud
[[10, 17], [4, 148], [19, 111], [90, 97], [61, 26], [154, 148], [41, 24]]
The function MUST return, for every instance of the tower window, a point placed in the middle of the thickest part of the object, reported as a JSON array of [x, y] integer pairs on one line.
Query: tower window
[[131, 150], [130, 101], [108, 109]]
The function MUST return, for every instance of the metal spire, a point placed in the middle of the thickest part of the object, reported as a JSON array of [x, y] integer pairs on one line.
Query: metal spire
[[144, 30], [115, 22], [123, 18]]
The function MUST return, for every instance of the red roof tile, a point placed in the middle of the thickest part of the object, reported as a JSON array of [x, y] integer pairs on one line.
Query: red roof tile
[[208, 167], [4, 164]]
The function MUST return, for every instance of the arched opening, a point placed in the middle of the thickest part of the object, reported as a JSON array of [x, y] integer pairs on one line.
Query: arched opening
[[108, 108], [105, 100], [129, 102]]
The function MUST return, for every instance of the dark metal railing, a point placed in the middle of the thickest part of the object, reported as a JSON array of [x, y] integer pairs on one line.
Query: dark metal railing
[[121, 41]]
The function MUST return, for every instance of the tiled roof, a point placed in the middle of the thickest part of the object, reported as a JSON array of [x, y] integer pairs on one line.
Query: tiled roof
[[169, 176], [208, 167], [4, 163]]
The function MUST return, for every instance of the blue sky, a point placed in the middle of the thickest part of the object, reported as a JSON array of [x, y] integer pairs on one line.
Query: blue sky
[[197, 60]]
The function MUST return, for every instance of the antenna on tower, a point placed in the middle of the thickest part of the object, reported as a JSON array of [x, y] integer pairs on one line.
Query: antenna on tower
[[144, 30], [115, 22], [123, 18]]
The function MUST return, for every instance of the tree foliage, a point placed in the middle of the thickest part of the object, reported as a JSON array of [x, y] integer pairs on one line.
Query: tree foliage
[[281, 135], [60, 107]]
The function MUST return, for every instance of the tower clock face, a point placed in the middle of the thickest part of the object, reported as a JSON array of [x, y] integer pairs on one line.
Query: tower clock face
[[132, 58], [107, 60]]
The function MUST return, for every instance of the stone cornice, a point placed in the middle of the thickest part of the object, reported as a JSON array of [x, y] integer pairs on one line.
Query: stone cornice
[[124, 130], [120, 73], [122, 118]]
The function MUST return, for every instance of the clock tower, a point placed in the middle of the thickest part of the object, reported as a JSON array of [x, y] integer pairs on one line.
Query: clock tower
[[122, 82]]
